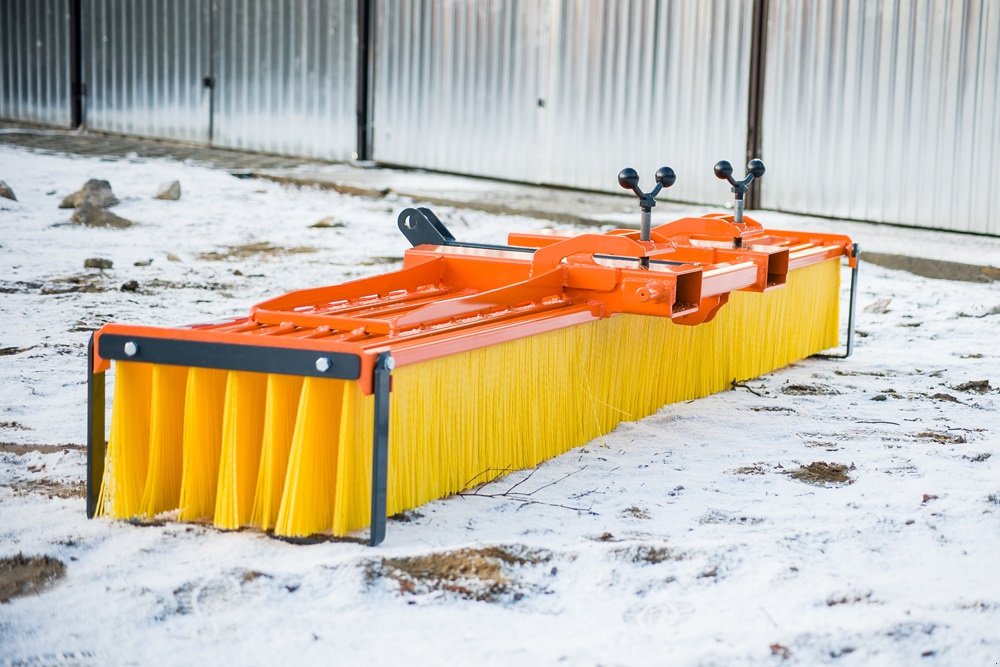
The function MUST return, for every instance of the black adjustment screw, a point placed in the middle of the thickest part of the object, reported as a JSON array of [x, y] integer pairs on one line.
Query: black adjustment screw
[[724, 171]]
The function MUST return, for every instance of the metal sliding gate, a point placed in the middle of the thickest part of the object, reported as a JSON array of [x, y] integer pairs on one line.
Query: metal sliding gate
[[277, 76]]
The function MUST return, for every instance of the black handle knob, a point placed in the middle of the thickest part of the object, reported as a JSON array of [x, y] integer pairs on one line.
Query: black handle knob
[[665, 176], [628, 178], [724, 171]]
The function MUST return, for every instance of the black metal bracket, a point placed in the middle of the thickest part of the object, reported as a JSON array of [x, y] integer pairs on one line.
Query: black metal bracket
[[851, 310], [257, 358], [381, 387], [421, 226], [96, 444]]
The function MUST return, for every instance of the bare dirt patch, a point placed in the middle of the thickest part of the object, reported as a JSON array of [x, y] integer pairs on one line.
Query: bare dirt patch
[[635, 512], [821, 473], [807, 390], [20, 450], [489, 574], [974, 386], [22, 575], [52, 488], [942, 438], [253, 250], [754, 469], [648, 554]]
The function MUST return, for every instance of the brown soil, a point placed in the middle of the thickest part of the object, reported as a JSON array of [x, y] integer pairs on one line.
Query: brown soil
[[807, 390], [487, 574], [976, 386], [14, 448], [635, 513], [942, 438], [822, 473], [255, 250], [49, 487], [22, 575], [647, 553]]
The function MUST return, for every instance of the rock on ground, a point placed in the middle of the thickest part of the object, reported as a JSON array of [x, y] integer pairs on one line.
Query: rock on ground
[[6, 192], [170, 191], [95, 192], [94, 216], [97, 263]]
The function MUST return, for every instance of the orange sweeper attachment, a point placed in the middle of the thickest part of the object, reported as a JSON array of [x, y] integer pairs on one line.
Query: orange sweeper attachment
[[324, 410]]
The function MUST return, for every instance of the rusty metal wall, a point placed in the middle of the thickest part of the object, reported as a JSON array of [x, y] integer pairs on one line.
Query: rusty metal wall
[[34, 61], [285, 74], [884, 110], [144, 63], [564, 92]]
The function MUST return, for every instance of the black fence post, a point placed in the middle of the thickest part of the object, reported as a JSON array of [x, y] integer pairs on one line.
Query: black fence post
[[365, 55], [755, 106], [77, 87]]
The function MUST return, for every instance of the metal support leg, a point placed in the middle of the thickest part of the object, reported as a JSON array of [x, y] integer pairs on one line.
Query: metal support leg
[[380, 447], [96, 446], [852, 309]]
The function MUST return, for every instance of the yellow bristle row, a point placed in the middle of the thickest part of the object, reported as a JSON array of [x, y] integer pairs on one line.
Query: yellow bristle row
[[204, 405], [280, 411], [166, 439], [242, 433], [295, 455]]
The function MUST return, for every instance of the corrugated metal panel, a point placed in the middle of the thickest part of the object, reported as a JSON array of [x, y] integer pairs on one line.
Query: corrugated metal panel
[[564, 92], [642, 83], [34, 61], [886, 111], [286, 77], [457, 85], [144, 63]]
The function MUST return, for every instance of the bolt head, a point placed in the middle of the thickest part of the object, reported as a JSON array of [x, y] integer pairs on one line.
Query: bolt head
[[130, 348], [390, 363], [323, 364]]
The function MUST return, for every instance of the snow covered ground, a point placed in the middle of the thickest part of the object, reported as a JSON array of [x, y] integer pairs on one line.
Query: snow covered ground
[[693, 537]]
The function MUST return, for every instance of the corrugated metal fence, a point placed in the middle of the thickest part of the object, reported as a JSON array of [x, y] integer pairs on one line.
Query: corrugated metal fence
[[271, 76], [35, 61], [883, 110], [564, 92], [285, 76], [144, 65]]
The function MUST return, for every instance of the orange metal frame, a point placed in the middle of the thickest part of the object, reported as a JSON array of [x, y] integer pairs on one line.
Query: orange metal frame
[[449, 299]]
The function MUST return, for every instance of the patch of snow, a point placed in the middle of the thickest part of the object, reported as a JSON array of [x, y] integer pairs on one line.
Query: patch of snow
[[679, 539]]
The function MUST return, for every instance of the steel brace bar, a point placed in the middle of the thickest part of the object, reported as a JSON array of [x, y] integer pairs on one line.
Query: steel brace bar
[[381, 387], [851, 309], [96, 445]]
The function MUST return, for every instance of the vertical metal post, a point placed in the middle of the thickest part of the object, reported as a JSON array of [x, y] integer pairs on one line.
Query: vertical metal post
[[77, 88], [755, 106], [853, 300], [365, 64], [96, 445], [380, 446]]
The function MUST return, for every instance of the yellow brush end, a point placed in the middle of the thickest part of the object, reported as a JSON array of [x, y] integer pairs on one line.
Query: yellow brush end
[[166, 439], [242, 430], [203, 409], [280, 409]]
